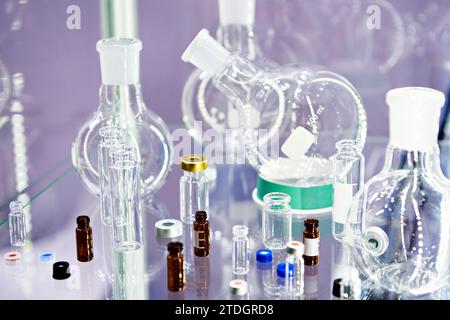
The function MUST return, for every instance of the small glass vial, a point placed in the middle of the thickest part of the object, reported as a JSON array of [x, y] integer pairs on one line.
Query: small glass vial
[[348, 167], [110, 137], [241, 250], [85, 249], [201, 234], [311, 238], [175, 270], [194, 194], [294, 285], [17, 225], [276, 221]]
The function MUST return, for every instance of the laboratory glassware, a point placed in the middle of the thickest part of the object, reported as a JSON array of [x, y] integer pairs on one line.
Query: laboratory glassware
[[194, 192], [125, 199], [83, 232], [276, 221], [264, 265], [241, 250], [175, 267], [201, 234], [311, 238], [311, 280], [291, 119], [201, 101], [121, 105], [294, 285], [401, 233], [128, 245], [348, 180], [17, 224], [111, 137]]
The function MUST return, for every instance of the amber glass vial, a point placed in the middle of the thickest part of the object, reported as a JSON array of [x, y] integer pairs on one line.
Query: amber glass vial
[[85, 249], [311, 237], [201, 234], [175, 270]]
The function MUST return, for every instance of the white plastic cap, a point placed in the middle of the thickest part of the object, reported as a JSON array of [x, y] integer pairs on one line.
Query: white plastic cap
[[237, 12], [414, 117], [169, 228], [119, 60], [206, 53], [295, 247], [238, 287]]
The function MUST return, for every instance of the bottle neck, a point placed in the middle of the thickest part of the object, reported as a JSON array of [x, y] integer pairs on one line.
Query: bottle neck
[[238, 38], [194, 175], [400, 159], [121, 99], [236, 77]]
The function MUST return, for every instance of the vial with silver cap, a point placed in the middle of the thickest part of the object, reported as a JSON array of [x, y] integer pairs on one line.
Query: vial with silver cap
[[294, 285], [194, 192], [401, 232], [121, 105], [17, 224], [291, 119]]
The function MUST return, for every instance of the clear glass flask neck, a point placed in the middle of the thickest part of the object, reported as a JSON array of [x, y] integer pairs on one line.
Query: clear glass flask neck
[[238, 38], [116, 99], [194, 175], [235, 78], [401, 159]]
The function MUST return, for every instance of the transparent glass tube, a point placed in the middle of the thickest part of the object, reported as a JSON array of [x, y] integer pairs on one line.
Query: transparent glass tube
[[348, 166], [241, 250], [125, 199], [17, 225], [276, 220], [110, 137]]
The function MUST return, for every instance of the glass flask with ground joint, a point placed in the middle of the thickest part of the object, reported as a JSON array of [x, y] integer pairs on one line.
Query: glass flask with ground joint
[[292, 117], [121, 105], [204, 106], [398, 227]]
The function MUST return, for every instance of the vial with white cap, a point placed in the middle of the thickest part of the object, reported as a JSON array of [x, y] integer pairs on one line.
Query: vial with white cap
[[121, 105], [201, 101], [241, 250], [290, 119], [17, 224], [400, 236], [294, 285]]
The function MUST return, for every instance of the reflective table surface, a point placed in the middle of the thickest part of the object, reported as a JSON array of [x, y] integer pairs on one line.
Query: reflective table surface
[[60, 198]]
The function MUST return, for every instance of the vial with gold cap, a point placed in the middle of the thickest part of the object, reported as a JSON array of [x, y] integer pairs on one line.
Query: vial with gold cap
[[194, 193]]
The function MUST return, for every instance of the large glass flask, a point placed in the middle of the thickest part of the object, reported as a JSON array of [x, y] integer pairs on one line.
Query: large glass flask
[[121, 105], [292, 118], [204, 107], [400, 237]]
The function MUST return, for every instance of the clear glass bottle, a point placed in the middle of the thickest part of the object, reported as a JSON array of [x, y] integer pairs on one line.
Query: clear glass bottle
[[201, 101], [17, 225], [194, 192], [121, 105], [294, 285], [348, 168], [291, 119], [276, 221], [401, 236], [241, 250], [110, 137]]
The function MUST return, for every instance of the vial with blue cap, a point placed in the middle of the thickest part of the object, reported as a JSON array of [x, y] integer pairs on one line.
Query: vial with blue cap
[[264, 265]]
